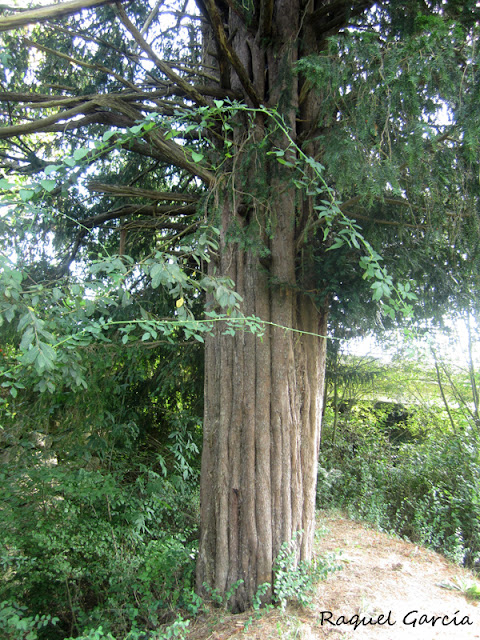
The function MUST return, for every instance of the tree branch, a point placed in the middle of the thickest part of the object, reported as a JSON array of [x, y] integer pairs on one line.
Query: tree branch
[[138, 209], [40, 125], [332, 17], [163, 66], [229, 52], [134, 192], [51, 12], [80, 63], [169, 150], [396, 223], [173, 152], [99, 117]]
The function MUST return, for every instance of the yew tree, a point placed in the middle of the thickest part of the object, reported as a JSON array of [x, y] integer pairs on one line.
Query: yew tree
[[278, 159]]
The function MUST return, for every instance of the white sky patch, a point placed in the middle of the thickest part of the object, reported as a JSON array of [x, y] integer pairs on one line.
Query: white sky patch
[[450, 345]]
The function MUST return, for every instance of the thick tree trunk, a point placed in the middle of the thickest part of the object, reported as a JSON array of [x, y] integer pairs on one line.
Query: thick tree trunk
[[263, 397], [263, 400]]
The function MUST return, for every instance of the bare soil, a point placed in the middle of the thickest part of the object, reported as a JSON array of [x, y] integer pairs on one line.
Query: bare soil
[[382, 576]]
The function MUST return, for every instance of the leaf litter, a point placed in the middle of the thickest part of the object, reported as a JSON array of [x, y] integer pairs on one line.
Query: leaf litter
[[408, 590]]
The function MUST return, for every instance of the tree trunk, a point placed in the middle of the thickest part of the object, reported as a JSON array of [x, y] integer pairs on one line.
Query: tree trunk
[[263, 399], [263, 396]]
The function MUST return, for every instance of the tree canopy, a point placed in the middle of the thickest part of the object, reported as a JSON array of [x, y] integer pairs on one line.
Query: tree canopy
[[111, 137]]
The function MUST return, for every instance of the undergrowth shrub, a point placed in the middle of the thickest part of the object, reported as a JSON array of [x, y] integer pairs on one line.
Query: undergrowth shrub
[[428, 491], [89, 548], [16, 624], [296, 581]]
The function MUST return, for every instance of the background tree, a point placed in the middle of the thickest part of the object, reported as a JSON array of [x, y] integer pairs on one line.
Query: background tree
[[293, 127]]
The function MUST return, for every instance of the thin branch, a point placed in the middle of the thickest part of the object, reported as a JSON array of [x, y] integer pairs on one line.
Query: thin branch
[[90, 223], [164, 68], [332, 17], [128, 210], [51, 12], [54, 28], [152, 224], [442, 392], [135, 192], [37, 101], [395, 223], [99, 117], [39, 125], [169, 150], [151, 17], [80, 63], [174, 153]]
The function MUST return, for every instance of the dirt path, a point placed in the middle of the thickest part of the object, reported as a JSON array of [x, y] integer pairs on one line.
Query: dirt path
[[399, 580], [382, 576]]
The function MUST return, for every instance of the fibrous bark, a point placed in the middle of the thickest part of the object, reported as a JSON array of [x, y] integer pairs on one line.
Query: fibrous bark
[[263, 401], [263, 397]]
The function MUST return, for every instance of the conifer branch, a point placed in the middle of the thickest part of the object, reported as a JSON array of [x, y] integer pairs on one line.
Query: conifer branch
[[51, 12], [228, 51], [134, 192], [138, 209], [80, 63], [160, 64], [40, 125]]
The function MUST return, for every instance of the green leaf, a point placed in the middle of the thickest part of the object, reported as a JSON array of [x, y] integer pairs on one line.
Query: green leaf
[[136, 129], [78, 154], [10, 313], [170, 134], [5, 184], [159, 275], [285, 162], [26, 194], [48, 351], [27, 339], [337, 244], [107, 135], [51, 168], [197, 157], [48, 185], [30, 356]]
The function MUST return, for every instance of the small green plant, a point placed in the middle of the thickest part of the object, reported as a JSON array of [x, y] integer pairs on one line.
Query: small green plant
[[15, 624], [425, 489], [216, 598], [258, 606], [470, 588], [257, 598], [177, 629], [117, 562], [296, 580]]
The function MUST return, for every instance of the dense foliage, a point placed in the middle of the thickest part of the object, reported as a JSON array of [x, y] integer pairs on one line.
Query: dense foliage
[[99, 495], [401, 450]]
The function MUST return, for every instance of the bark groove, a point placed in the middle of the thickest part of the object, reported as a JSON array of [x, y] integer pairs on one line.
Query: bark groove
[[263, 397]]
